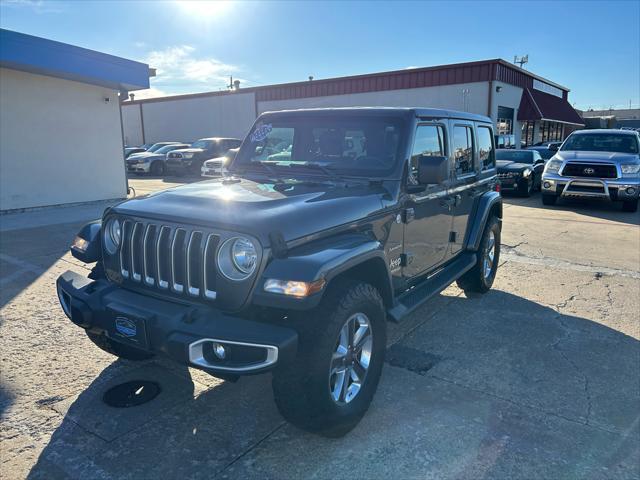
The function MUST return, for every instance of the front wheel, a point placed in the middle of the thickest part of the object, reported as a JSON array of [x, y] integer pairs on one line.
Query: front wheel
[[157, 168], [480, 278], [525, 189], [327, 389]]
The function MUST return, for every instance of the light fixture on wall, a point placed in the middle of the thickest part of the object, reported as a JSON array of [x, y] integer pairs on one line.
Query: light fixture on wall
[[498, 88]]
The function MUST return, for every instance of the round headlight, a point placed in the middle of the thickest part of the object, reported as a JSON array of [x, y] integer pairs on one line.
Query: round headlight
[[237, 258], [244, 255], [112, 235]]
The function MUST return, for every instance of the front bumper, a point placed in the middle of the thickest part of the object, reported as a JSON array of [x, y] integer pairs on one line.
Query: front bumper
[[614, 189], [138, 167], [211, 171], [187, 334], [513, 183]]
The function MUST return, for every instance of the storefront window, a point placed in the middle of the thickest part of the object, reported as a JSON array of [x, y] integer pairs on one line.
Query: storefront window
[[527, 133]]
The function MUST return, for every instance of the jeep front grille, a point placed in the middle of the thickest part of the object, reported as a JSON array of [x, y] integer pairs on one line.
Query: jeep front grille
[[590, 170], [169, 258]]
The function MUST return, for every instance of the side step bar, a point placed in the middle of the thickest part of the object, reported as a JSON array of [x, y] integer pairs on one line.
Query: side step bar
[[418, 295]]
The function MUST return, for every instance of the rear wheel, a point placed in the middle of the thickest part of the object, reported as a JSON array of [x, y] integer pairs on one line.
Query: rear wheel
[[630, 205], [549, 199], [118, 349], [480, 278], [327, 389], [157, 168]]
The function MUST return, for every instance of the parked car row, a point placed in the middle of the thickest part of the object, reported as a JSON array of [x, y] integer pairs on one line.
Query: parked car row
[[180, 158], [594, 164], [602, 164]]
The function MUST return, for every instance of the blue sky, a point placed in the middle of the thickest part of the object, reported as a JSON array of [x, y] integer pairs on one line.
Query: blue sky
[[591, 47]]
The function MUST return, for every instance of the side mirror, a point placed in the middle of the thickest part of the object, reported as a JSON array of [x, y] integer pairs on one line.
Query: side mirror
[[432, 170], [553, 148]]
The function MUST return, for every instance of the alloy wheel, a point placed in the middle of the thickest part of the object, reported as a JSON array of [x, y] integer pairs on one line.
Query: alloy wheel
[[351, 359], [489, 255]]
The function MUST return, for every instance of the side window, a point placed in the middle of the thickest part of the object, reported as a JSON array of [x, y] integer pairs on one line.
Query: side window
[[486, 150], [463, 150], [429, 141]]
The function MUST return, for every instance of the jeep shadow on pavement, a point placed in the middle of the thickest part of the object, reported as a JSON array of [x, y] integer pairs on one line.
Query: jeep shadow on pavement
[[329, 223]]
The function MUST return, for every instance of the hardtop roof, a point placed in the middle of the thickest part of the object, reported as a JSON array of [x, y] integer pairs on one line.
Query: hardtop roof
[[400, 111]]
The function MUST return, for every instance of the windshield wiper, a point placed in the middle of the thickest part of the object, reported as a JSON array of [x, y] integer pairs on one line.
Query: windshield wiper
[[323, 169]]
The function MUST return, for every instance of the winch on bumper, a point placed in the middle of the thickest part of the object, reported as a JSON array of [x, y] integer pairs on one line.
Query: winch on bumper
[[197, 336], [618, 189]]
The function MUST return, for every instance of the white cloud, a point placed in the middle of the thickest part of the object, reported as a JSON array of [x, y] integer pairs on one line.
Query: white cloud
[[38, 6], [181, 67]]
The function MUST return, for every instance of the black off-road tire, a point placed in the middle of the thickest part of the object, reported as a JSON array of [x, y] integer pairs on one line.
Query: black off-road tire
[[118, 349], [157, 168], [549, 199], [475, 280], [630, 206], [302, 389]]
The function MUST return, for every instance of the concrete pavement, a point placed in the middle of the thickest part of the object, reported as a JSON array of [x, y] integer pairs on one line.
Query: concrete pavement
[[536, 379]]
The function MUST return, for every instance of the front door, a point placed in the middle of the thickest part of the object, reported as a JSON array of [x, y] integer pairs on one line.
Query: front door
[[427, 213]]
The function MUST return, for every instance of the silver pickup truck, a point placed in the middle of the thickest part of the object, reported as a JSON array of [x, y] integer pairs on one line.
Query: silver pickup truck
[[595, 164]]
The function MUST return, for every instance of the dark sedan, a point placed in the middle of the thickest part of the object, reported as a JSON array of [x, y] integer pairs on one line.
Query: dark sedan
[[546, 150], [519, 171]]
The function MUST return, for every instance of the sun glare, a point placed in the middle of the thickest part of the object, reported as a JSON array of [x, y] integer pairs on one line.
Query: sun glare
[[203, 8]]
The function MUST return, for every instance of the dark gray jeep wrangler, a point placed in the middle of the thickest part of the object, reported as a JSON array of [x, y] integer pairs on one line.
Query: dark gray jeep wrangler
[[328, 223]]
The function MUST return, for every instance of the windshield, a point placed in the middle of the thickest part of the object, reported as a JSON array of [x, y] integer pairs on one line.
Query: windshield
[[168, 148], [515, 156], [203, 144], [155, 147], [351, 145], [601, 142]]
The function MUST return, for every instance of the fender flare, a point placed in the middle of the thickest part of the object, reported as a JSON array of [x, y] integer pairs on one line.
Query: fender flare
[[326, 260], [490, 203]]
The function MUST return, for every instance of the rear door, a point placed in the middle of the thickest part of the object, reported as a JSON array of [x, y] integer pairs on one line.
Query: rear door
[[463, 192], [426, 234], [474, 170]]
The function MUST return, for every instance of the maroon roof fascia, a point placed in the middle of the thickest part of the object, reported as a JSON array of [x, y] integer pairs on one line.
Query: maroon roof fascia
[[457, 73], [537, 105]]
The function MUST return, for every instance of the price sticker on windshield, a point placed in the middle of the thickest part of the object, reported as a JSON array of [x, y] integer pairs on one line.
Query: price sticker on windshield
[[261, 132]]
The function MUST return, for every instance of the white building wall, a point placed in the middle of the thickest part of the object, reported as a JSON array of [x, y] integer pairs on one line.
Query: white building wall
[[470, 97], [193, 118], [132, 125], [508, 96], [60, 142]]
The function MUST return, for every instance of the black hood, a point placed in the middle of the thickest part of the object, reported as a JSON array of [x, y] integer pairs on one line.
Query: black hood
[[505, 166], [294, 208]]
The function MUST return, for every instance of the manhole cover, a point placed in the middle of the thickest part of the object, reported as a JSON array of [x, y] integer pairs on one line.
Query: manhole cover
[[131, 394]]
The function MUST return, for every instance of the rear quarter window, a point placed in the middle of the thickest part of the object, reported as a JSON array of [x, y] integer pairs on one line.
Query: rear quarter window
[[486, 149]]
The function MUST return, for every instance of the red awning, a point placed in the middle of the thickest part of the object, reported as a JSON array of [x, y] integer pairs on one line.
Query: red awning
[[537, 105]]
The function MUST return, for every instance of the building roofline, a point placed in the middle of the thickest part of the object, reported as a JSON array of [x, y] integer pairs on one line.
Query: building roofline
[[19, 51], [349, 78]]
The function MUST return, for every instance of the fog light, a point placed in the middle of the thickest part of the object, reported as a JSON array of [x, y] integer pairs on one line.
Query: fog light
[[219, 351], [546, 185], [630, 190]]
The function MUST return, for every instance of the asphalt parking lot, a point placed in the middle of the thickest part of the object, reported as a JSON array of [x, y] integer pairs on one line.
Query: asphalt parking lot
[[537, 379]]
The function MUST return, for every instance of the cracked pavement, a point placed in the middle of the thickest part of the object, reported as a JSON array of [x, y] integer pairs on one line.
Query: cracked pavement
[[539, 378]]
